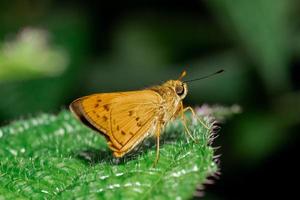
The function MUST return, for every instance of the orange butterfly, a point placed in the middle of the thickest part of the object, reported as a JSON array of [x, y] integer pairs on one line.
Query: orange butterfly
[[127, 118]]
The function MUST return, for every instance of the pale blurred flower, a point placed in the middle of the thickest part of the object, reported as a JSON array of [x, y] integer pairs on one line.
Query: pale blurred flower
[[220, 113], [31, 55]]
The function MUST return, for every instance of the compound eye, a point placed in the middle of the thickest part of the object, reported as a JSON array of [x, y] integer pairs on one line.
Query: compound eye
[[179, 89]]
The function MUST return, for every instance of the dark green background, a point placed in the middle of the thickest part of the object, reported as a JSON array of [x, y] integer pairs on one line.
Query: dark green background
[[134, 44]]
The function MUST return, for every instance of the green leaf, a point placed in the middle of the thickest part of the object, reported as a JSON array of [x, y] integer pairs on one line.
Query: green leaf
[[56, 157]]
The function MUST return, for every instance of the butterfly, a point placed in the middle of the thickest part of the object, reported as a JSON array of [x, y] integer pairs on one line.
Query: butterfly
[[127, 118]]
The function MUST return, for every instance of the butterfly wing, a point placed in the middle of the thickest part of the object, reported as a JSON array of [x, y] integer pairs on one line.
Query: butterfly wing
[[94, 110], [133, 119], [125, 118]]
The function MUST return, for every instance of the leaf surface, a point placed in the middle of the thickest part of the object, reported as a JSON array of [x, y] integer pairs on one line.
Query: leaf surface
[[56, 157]]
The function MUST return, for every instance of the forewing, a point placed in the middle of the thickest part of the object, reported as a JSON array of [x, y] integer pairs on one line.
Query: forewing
[[94, 110], [125, 118]]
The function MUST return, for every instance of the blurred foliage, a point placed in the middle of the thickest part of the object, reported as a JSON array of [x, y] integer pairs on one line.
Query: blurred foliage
[[262, 27], [257, 143], [57, 157]]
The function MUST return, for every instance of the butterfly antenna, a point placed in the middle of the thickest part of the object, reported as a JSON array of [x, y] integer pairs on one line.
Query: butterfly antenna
[[204, 77]]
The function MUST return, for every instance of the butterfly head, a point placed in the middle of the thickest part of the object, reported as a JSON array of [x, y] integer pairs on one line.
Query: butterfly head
[[179, 87]]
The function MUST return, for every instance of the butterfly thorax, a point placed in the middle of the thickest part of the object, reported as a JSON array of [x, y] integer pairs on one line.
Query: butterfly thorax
[[172, 93]]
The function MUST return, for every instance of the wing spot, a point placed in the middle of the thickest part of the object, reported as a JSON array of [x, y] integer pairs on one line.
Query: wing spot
[[118, 128], [130, 113], [105, 118], [106, 107], [123, 133], [97, 105], [139, 124], [98, 100], [137, 119], [131, 133]]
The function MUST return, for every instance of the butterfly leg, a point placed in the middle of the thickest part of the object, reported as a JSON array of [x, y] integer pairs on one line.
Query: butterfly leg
[[184, 122], [194, 115], [157, 134]]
